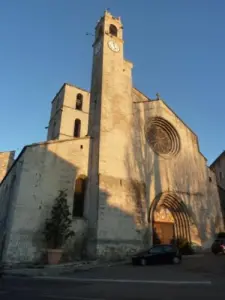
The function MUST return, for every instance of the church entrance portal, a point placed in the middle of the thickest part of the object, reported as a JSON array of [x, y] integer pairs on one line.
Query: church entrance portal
[[163, 226], [170, 219]]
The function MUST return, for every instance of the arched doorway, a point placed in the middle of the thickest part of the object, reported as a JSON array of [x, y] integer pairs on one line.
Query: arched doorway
[[170, 219]]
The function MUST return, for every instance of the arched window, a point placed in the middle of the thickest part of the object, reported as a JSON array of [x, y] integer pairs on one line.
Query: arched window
[[113, 30], [79, 101], [79, 196], [77, 127]]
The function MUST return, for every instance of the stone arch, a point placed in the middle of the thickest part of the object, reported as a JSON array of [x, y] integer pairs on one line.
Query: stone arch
[[181, 215], [162, 137], [79, 196], [113, 30], [77, 128], [79, 101]]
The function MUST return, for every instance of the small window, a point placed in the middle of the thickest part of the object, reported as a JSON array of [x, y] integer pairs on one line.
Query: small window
[[221, 175], [77, 128], [79, 196], [113, 30], [210, 179], [79, 101]]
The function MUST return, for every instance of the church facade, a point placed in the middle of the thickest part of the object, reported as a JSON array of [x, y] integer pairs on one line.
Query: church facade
[[132, 169]]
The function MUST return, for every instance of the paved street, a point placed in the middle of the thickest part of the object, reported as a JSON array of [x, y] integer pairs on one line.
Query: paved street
[[196, 278]]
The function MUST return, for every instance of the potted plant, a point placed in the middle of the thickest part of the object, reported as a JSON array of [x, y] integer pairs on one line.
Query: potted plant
[[58, 228]]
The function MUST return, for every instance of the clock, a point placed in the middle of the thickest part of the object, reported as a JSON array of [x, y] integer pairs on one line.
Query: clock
[[98, 47], [113, 46]]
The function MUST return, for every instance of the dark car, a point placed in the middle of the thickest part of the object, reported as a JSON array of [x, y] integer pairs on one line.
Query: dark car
[[158, 254], [218, 246]]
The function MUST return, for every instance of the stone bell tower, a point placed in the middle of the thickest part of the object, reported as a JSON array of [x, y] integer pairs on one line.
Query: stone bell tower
[[111, 88], [110, 113]]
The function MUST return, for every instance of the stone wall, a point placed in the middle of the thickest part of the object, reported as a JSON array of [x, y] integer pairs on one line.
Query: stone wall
[[221, 192], [64, 113], [47, 168], [6, 161], [69, 113], [184, 173], [8, 194], [218, 166], [124, 219], [122, 226], [55, 115], [121, 116]]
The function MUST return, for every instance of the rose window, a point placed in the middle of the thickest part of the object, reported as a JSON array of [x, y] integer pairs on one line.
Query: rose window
[[162, 137]]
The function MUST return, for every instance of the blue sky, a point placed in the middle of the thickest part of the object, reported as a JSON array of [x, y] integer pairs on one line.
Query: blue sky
[[177, 47]]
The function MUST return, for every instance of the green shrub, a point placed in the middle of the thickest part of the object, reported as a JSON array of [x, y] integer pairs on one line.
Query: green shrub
[[184, 246], [58, 227]]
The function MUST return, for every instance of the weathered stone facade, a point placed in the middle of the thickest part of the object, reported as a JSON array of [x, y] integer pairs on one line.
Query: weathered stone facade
[[218, 167], [138, 155], [42, 170], [6, 161], [64, 113]]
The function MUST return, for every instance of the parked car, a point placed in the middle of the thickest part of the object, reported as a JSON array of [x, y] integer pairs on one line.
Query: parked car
[[158, 254], [218, 246]]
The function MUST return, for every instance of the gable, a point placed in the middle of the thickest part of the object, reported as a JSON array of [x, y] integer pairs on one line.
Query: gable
[[147, 107]]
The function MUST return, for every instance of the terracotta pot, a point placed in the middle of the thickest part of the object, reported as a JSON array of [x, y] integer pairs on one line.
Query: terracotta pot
[[54, 256]]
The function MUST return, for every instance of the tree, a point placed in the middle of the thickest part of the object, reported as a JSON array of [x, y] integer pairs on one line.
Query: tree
[[58, 227]]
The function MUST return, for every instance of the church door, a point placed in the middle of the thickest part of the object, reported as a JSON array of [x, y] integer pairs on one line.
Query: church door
[[164, 232]]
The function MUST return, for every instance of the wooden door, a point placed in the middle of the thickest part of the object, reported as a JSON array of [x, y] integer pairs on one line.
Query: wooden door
[[164, 232]]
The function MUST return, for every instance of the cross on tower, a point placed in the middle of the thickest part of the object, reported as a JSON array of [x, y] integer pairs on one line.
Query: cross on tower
[[157, 96]]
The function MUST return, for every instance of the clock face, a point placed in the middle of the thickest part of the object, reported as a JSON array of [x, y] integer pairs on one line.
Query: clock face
[[98, 47], [113, 46]]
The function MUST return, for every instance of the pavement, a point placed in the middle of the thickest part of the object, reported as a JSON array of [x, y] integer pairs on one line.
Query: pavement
[[200, 277], [57, 270], [67, 268]]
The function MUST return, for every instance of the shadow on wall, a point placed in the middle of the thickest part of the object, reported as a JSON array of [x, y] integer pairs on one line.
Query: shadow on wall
[[184, 177], [142, 165], [46, 169], [221, 192], [191, 190], [201, 198]]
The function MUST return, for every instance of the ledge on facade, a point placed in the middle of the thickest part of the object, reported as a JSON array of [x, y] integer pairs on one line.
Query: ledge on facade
[[38, 144], [79, 218], [58, 141], [9, 151]]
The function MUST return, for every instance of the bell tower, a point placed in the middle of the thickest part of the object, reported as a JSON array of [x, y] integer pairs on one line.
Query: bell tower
[[111, 91], [110, 111], [107, 60]]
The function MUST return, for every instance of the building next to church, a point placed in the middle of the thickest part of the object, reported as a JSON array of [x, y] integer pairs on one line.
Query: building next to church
[[131, 167], [218, 167]]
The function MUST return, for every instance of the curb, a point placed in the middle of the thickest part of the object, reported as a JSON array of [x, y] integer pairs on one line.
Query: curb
[[11, 273], [46, 273]]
